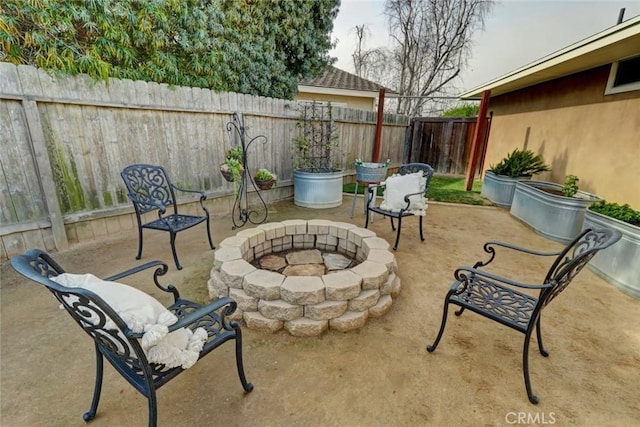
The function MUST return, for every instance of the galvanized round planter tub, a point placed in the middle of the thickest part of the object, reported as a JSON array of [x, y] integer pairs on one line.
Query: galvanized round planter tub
[[555, 217], [618, 264], [500, 188], [317, 190]]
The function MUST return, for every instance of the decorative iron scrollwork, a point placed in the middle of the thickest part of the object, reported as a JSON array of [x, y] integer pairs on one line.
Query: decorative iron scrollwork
[[241, 213]]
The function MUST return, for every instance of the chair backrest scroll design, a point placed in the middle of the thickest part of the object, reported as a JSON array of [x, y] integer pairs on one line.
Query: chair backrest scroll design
[[417, 167], [573, 259], [87, 309], [148, 183]]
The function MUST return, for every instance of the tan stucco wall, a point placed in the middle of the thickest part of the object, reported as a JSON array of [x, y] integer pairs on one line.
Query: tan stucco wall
[[578, 130], [356, 102]]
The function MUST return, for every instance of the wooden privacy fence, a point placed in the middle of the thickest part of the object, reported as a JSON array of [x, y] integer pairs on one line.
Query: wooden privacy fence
[[444, 143], [65, 140]]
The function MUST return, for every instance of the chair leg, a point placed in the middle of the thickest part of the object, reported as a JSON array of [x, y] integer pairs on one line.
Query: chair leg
[[173, 250], [211, 245], [366, 221], [91, 413], [139, 242], [355, 196], [395, 247], [421, 235], [543, 351], [525, 367], [393, 227], [247, 386], [431, 348], [153, 408]]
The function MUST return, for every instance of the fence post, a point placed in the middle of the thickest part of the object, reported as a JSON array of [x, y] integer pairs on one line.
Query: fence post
[[45, 174]]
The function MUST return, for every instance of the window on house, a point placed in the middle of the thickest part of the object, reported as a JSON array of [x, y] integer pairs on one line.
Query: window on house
[[624, 76]]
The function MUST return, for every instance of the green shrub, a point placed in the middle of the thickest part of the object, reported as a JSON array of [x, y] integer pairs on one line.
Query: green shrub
[[463, 110], [570, 187], [520, 163], [623, 213]]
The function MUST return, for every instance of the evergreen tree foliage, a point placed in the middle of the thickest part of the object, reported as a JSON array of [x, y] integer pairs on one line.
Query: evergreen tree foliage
[[463, 110], [246, 46]]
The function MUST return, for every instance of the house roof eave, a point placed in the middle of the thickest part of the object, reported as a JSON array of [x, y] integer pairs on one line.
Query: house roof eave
[[606, 47]]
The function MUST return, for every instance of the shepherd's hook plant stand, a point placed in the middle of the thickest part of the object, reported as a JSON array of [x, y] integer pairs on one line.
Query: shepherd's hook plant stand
[[242, 213]]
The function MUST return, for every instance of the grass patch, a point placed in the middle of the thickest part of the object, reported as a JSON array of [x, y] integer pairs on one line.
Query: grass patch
[[349, 188], [442, 189], [451, 189]]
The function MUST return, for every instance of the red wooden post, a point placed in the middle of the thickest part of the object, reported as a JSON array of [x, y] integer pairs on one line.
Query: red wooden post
[[376, 143], [478, 137]]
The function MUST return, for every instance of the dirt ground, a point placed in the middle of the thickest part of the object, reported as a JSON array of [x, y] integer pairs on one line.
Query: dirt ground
[[379, 375]]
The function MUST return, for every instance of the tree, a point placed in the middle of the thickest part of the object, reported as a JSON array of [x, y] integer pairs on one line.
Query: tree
[[462, 110], [431, 40], [253, 47], [369, 64], [430, 45]]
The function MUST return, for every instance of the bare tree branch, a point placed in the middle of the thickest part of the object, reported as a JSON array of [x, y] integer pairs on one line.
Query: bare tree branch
[[431, 45]]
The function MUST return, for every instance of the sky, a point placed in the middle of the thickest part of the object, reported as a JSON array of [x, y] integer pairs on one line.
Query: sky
[[517, 32]]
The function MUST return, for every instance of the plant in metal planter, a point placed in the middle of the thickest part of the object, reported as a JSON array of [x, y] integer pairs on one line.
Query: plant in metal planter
[[500, 180], [520, 163], [619, 263], [570, 187], [317, 177]]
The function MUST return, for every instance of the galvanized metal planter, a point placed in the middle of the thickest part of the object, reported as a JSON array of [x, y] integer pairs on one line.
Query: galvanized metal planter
[[620, 263], [317, 190], [555, 217], [371, 172], [500, 188]]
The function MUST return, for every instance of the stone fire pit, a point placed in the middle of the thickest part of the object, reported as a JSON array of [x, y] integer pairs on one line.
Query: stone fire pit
[[306, 305]]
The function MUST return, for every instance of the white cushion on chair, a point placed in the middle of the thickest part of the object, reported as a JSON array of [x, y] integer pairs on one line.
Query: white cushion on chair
[[397, 186], [143, 314]]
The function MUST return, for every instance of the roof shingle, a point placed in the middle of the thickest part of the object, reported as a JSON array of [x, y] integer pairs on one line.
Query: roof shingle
[[336, 78]]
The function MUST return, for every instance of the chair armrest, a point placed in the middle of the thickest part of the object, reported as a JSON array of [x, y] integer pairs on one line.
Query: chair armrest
[[137, 269], [489, 248], [160, 271], [462, 275], [372, 189], [184, 190], [198, 314], [520, 249]]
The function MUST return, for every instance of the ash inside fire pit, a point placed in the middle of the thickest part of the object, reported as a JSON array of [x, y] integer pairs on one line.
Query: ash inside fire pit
[[310, 262]]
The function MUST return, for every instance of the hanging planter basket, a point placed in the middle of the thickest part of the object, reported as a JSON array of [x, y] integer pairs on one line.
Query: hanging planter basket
[[371, 172], [227, 175], [264, 184]]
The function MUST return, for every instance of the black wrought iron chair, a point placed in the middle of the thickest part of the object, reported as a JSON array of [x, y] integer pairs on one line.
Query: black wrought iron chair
[[150, 189], [116, 342], [512, 303], [405, 209]]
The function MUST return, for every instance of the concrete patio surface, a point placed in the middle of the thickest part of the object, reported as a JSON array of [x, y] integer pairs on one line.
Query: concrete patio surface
[[379, 375]]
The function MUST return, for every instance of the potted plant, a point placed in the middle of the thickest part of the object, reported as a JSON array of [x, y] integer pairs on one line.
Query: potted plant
[[232, 167], [618, 264], [500, 180], [264, 179], [231, 170], [317, 176], [553, 210]]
